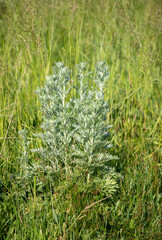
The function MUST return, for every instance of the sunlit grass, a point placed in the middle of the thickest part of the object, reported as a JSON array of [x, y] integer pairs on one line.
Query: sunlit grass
[[126, 34]]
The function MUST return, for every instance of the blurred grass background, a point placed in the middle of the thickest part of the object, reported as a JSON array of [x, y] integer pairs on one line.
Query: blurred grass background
[[127, 35]]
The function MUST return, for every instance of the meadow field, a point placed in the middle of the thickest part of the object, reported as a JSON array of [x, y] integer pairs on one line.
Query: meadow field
[[34, 35]]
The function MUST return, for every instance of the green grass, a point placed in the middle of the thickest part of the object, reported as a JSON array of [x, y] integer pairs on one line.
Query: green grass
[[126, 34]]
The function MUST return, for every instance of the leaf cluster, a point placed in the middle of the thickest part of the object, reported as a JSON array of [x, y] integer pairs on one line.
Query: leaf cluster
[[75, 132]]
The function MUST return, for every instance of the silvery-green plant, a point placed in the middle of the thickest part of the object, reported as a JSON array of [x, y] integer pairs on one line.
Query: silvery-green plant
[[91, 126], [57, 132], [76, 133]]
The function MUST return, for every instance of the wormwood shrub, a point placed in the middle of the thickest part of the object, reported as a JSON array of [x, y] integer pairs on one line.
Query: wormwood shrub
[[76, 134]]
